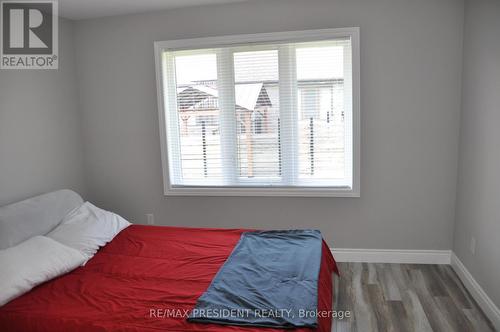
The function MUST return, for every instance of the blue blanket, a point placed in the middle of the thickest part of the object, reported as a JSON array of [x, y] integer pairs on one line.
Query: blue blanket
[[269, 280]]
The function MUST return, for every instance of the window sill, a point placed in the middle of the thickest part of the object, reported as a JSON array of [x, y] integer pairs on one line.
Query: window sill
[[263, 192]]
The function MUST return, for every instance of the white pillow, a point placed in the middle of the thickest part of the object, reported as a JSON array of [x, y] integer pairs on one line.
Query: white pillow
[[33, 262], [88, 228], [35, 216]]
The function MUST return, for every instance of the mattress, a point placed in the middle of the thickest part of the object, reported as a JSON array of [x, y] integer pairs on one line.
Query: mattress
[[147, 279]]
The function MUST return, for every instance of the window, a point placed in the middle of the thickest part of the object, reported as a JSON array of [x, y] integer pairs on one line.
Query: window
[[265, 114]]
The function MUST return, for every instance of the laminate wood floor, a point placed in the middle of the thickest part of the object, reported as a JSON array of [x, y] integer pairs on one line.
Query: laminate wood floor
[[405, 297]]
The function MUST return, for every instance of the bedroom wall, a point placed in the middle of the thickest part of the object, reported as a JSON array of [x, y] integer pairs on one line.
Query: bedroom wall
[[40, 128], [478, 208], [410, 86]]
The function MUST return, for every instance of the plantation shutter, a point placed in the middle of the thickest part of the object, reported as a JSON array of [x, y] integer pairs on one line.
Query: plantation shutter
[[269, 115]]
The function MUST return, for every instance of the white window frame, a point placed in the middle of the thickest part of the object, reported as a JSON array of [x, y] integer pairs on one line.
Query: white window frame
[[234, 40]]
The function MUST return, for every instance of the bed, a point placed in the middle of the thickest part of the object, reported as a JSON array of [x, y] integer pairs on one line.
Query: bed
[[146, 279]]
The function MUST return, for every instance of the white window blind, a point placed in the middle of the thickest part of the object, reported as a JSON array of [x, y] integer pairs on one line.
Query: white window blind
[[258, 118]]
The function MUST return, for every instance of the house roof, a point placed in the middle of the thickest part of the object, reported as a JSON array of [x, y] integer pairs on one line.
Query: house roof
[[246, 95]]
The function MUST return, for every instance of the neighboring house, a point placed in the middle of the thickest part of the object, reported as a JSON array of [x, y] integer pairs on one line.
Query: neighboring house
[[199, 104], [257, 104]]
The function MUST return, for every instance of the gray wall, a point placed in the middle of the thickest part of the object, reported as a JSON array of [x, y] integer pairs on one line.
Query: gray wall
[[411, 67], [478, 206], [40, 127]]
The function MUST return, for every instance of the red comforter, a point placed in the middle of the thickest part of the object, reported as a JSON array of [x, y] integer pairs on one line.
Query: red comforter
[[146, 279]]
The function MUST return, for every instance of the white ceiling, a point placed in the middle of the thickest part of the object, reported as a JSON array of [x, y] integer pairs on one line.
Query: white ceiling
[[83, 9]]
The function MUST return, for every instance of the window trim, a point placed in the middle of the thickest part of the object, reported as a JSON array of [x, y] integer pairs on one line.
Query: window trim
[[244, 40]]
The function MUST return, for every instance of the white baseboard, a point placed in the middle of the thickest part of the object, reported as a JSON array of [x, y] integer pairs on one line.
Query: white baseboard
[[477, 292], [392, 256]]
